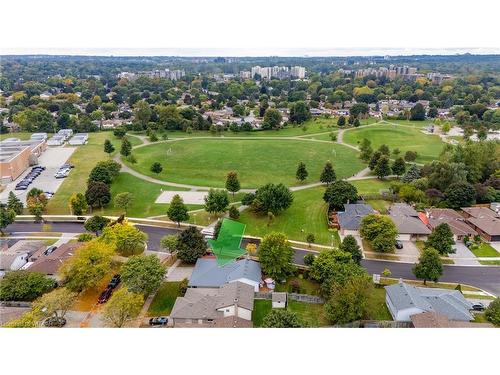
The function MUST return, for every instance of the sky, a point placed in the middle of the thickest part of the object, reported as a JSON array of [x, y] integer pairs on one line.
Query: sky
[[250, 28]]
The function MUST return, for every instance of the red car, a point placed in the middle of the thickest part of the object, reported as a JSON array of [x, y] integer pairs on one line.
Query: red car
[[103, 298]]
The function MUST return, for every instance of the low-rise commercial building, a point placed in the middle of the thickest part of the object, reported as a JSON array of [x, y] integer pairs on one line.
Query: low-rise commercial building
[[17, 156]]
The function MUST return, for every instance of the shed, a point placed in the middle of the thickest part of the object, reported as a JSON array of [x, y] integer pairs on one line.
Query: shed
[[279, 299]]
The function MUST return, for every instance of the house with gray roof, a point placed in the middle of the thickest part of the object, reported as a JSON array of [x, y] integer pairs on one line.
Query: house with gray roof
[[16, 256], [208, 274], [231, 305], [404, 300], [410, 226], [350, 219]]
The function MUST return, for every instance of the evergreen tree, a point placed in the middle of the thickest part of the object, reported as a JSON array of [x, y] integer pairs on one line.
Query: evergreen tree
[[14, 203], [328, 175], [232, 183], [108, 147], [341, 121], [126, 148], [190, 245], [413, 173], [399, 166], [349, 245], [301, 173], [356, 122], [156, 168], [177, 211], [383, 168], [234, 213], [441, 239]]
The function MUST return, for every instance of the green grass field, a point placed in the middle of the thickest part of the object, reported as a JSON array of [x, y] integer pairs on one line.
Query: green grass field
[[312, 315], [84, 159], [484, 250], [206, 162], [371, 186], [307, 214], [20, 135], [164, 300], [428, 147]]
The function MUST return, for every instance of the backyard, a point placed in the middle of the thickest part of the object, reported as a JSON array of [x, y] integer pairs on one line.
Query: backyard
[[164, 300]]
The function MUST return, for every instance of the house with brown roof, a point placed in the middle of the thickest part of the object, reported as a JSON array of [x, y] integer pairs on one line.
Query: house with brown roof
[[458, 225], [485, 221], [231, 305], [17, 256], [432, 319], [50, 264]]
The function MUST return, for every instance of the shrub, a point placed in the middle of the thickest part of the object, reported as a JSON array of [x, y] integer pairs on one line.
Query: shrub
[[85, 237]]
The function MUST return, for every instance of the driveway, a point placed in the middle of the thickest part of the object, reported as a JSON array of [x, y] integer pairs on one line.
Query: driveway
[[464, 252], [409, 252], [51, 159]]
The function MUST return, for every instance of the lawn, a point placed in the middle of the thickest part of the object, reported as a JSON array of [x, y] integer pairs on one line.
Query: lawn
[[379, 205], [305, 286], [84, 159], [371, 186], [428, 147], [309, 313], [164, 300], [307, 214], [206, 162], [379, 310], [484, 250], [22, 136]]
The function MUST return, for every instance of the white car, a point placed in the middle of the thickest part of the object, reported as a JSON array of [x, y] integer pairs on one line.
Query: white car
[[208, 233]]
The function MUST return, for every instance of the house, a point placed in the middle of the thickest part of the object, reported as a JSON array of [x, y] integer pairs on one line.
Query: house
[[408, 223], [485, 221], [207, 273], [50, 264], [16, 256], [459, 227], [230, 305], [434, 320], [349, 220], [404, 300], [279, 300]]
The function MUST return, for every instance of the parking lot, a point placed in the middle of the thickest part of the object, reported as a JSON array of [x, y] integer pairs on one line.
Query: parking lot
[[51, 159]]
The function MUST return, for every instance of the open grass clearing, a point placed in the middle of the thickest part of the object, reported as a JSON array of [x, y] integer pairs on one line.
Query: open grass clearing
[[206, 162], [428, 147]]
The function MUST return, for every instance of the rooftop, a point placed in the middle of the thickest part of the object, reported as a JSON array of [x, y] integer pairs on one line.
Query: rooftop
[[351, 217], [207, 273]]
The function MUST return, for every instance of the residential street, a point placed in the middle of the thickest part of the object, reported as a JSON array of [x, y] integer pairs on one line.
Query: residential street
[[487, 278]]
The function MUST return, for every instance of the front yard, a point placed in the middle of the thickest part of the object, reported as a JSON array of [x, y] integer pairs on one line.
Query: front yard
[[484, 250]]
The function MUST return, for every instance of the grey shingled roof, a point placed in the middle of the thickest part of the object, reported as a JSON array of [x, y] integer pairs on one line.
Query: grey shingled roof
[[207, 274], [406, 219], [450, 303], [350, 218]]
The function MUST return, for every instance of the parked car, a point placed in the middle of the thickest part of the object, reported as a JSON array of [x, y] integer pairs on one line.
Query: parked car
[[105, 295], [114, 281], [398, 244], [158, 321], [54, 322], [67, 166], [208, 233], [50, 250], [21, 187], [478, 306]]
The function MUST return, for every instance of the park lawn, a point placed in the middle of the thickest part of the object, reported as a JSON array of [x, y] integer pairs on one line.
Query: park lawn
[[428, 147], [164, 300], [206, 162], [371, 186], [305, 286], [322, 136], [484, 250], [84, 159], [414, 124], [307, 214], [378, 309], [21, 135]]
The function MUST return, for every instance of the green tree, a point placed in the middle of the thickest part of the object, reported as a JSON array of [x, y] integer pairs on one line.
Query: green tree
[[460, 194], [232, 182], [190, 245], [399, 167], [276, 256], [126, 147], [90, 264], [441, 239], [24, 286], [216, 201], [78, 204], [379, 231], [272, 198], [429, 266], [328, 174], [14, 204], [143, 274], [156, 167], [96, 224], [97, 194], [383, 168], [234, 213], [272, 119], [341, 121], [350, 245], [126, 239], [177, 211], [350, 301], [384, 150], [410, 156], [413, 173], [142, 112], [299, 112], [169, 243], [374, 160], [122, 307], [492, 312], [124, 200], [366, 150], [108, 147], [281, 318], [417, 113], [340, 193], [301, 173], [7, 217], [36, 202]]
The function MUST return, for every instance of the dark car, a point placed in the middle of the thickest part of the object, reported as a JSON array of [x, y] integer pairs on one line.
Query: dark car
[[105, 295], [478, 306], [54, 322], [67, 166], [158, 321], [398, 244], [50, 250], [21, 187], [114, 282]]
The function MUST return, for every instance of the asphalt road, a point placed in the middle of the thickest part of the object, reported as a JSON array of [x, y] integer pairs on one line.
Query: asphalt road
[[487, 278]]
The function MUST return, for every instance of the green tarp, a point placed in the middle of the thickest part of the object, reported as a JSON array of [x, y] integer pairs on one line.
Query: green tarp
[[227, 246]]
